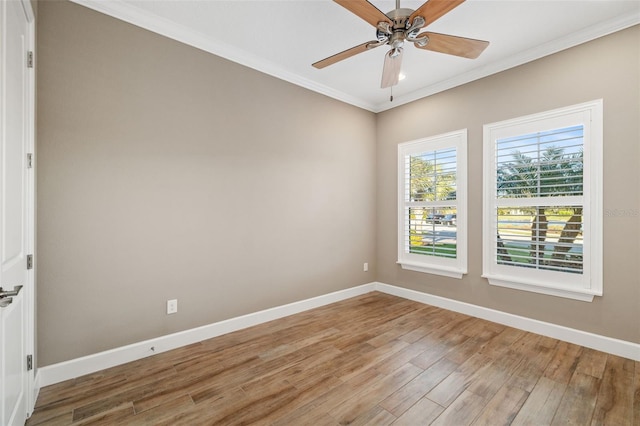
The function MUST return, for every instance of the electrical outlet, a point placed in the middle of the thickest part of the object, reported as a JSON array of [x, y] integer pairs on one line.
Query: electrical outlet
[[365, 267], [172, 306]]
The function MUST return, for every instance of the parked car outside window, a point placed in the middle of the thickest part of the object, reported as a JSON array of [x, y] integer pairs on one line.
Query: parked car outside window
[[449, 219]]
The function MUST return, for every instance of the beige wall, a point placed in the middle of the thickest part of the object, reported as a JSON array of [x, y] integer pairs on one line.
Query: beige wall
[[607, 68], [167, 172]]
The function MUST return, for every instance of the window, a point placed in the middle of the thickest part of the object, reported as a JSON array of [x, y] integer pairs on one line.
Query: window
[[432, 179], [543, 202]]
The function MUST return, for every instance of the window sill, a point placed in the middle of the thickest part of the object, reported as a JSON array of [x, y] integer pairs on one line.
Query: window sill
[[576, 294], [428, 269]]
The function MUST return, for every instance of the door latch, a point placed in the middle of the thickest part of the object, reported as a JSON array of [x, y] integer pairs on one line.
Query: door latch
[[13, 292]]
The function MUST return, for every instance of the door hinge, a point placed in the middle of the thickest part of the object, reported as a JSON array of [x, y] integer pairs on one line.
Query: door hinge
[[29, 362], [29, 59], [29, 261], [29, 161]]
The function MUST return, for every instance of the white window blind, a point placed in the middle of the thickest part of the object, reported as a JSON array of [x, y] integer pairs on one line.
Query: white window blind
[[543, 202], [432, 201], [539, 197]]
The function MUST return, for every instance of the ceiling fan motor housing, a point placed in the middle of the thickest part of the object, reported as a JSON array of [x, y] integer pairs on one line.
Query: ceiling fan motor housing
[[399, 17], [401, 29]]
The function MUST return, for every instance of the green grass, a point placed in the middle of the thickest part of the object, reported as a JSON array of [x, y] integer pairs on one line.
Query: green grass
[[442, 250], [519, 255]]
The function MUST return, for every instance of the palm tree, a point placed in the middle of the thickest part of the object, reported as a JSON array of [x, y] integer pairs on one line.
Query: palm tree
[[521, 178], [429, 182], [568, 236], [554, 174]]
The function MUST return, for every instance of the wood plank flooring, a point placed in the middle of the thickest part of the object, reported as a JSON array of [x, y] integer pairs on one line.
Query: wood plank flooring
[[371, 360]]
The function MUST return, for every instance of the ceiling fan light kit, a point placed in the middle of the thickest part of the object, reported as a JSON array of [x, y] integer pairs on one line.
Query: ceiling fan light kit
[[391, 68], [400, 25]]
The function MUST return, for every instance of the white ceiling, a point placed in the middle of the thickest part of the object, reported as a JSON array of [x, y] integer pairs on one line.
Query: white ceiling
[[284, 37]]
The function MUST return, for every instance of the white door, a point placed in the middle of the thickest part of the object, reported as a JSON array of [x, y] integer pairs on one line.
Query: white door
[[16, 211]]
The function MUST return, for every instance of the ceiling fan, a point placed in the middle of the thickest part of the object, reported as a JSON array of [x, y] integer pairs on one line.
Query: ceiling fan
[[400, 25]]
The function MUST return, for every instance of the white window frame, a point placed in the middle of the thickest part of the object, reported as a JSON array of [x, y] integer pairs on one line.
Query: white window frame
[[454, 268], [570, 285]]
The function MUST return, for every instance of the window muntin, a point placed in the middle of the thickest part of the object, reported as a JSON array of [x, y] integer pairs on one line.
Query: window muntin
[[432, 193], [543, 201]]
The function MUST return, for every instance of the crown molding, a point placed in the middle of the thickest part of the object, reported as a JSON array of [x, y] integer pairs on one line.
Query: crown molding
[[546, 49], [133, 15], [124, 11]]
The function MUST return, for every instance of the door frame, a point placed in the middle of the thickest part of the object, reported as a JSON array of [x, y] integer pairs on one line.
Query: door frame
[[30, 290]]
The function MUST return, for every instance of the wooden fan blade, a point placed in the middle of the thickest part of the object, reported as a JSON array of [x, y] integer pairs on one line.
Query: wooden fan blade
[[391, 69], [453, 45], [344, 54], [434, 9], [364, 10]]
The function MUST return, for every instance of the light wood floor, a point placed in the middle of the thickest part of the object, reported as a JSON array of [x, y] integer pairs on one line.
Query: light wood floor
[[375, 359]]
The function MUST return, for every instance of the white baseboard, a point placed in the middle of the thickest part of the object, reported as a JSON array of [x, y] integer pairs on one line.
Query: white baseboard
[[60, 372], [89, 364], [610, 345]]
